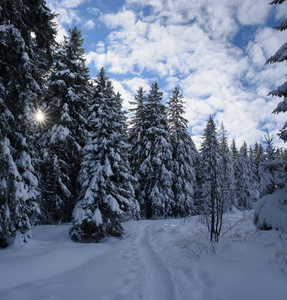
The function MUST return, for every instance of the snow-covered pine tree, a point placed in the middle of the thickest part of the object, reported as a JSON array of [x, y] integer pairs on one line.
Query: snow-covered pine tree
[[184, 157], [6, 171], [284, 154], [212, 172], [16, 199], [247, 184], [251, 156], [106, 194], [233, 150], [272, 171], [137, 138], [7, 186], [69, 91], [283, 157], [281, 91], [156, 168], [198, 203], [27, 37], [228, 182], [258, 158], [236, 170]]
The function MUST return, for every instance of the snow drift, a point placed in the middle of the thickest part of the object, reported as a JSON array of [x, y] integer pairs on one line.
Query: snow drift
[[271, 211]]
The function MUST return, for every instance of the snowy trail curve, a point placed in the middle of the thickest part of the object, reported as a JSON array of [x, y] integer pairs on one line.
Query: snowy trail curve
[[144, 265]]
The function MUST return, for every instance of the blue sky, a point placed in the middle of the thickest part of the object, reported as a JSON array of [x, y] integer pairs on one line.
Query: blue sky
[[215, 50]]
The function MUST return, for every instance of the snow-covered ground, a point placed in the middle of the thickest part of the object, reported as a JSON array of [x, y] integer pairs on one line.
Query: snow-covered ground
[[156, 259]]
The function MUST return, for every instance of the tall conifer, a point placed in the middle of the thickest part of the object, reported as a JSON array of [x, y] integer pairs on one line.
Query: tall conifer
[[27, 38], [137, 139], [247, 184], [156, 168], [106, 193], [271, 170], [212, 171], [183, 157], [228, 182], [69, 92]]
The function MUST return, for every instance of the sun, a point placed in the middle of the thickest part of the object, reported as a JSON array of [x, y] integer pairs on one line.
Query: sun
[[39, 116]]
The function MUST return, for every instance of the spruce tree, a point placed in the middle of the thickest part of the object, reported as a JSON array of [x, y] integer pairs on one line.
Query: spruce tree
[[9, 179], [228, 182], [198, 198], [284, 157], [212, 171], [258, 158], [27, 38], [156, 167], [69, 92], [137, 138], [183, 157], [247, 184], [236, 171], [106, 193], [281, 91], [271, 170]]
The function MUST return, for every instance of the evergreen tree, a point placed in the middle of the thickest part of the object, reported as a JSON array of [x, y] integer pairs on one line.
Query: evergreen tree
[[8, 183], [281, 91], [258, 158], [198, 203], [106, 193], [69, 91], [247, 185], [184, 156], [228, 181], [233, 151], [284, 157], [26, 44], [212, 171], [255, 172], [16, 200], [155, 169], [272, 171], [236, 170], [137, 138]]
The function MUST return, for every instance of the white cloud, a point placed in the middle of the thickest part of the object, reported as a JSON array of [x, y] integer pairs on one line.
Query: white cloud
[[268, 40], [171, 83], [96, 59], [190, 44], [252, 12], [134, 83], [66, 16], [90, 24], [61, 33], [124, 19], [126, 95], [281, 11], [94, 11], [156, 4], [71, 3]]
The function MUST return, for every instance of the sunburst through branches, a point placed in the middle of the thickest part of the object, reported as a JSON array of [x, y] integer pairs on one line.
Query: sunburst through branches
[[40, 118]]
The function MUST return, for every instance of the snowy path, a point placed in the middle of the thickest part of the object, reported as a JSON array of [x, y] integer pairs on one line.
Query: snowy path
[[156, 280], [53, 267], [159, 280], [143, 265]]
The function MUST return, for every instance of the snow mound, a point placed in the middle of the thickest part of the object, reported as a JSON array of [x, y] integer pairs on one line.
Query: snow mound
[[271, 211]]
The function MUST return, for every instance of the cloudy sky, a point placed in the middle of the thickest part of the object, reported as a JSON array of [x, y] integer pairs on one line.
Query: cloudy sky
[[214, 50]]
